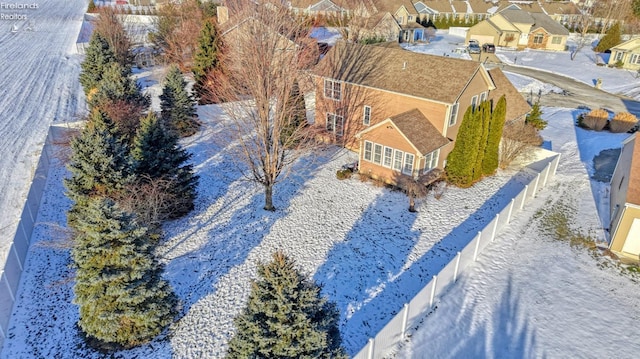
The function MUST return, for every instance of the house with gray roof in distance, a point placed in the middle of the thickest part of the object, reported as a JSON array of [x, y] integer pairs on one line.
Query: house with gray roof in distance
[[514, 27]]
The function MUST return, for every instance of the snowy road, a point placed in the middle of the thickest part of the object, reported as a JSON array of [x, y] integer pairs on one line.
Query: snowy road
[[38, 86]]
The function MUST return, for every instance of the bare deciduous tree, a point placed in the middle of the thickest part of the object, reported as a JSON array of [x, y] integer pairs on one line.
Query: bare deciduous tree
[[264, 57], [111, 28], [585, 22], [518, 139]]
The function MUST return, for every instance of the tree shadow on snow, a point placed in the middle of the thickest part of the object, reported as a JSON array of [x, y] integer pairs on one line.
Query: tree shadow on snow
[[372, 274]]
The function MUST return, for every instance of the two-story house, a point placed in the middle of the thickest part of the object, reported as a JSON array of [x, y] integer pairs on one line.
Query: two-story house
[[399, 109]]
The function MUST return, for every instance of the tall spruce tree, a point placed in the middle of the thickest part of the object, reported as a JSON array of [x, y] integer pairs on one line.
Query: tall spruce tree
[[122, 299], [97, 57], [484, 118], [120, 98], [291, 132], [206, 58], [490, 160], [99, 166], [158, 156], [534, 118], [462, 159], [177, 104], [612, 37], [286, 317]]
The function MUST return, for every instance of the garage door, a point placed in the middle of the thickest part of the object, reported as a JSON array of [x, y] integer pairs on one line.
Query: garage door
[[482, 39], [632, 243]]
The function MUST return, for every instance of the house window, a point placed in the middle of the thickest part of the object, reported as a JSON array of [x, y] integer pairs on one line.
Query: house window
[[397, 160], [335, 124], [537, 39], [408, 164], [479, 17], [431, 160], [619, 56], [474, 102], [386, 159], [409, 18], [556, 40], [366, 117], [434, 17], [454, 114], [377, 153], [483, 96], [332, 89], [635, 59], [400, 19], [368, 148]]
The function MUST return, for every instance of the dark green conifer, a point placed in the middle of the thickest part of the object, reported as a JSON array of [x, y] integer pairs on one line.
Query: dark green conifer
[[491, 157], [286, 317], [122, 299], [462, 159], [534, 118], [206, 59], [177, 104], [483, 118], [611, 38], [296, 118], [157, 155], [97, 57]]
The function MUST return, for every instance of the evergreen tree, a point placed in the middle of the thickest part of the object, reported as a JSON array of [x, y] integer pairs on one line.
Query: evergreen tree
[[297, 119], [483, 118], [491, 157], [461, 160], [177, 104], [612, 37], [99, 166], [286, 317], [206, 58], [122, 299], [97, 57], [92, 7], [534, 118], [635, 8], [120, 98], [158, 155]]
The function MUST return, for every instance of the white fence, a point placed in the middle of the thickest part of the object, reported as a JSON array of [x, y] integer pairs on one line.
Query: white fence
[[386, 341], [14, 265]]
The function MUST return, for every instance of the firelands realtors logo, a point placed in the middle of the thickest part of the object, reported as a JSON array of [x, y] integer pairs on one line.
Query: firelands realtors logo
[[15, 10]]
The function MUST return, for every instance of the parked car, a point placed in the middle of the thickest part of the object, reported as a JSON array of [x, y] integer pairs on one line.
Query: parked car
[[489, 48], [474, 48]]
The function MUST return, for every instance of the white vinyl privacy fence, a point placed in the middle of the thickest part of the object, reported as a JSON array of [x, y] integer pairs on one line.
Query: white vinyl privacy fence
[[386, 341], [14, 265]]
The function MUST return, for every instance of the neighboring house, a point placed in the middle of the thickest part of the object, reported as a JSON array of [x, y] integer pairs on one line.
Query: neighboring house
[[628, 53], [381, 26], [402, 11], [399, 109], [513, 27], [327, 8], [625, 200]]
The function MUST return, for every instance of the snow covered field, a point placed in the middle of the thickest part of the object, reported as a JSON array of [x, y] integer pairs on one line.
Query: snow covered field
[[370, 253]]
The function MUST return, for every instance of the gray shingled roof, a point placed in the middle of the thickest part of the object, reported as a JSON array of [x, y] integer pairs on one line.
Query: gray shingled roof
[[419, 131], [425, 76], [517, 106], [519, 16], [547, 23]]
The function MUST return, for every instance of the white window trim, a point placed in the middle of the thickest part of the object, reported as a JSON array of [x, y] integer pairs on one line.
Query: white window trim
[[366, 117], [483, 97], [332, 93], [395, 154], [432, 161], [556, 40], [384, 157], [332, 124], [375, 148], [406, 162], [538, 36], [364, 155], [474, 101], [453, 116]]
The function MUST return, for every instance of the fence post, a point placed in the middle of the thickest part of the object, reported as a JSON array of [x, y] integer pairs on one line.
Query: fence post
[[475, 251], [555, 167], [526, 188], [495, 227], [546, 174], [6, 281], [513, 200], [433, 291], [405, 317], [455, 273], [535, 187], [17, 257], [371, 344]]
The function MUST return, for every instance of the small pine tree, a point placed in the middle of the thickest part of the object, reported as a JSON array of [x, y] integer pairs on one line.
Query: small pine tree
[[534, 118], [206, 58], [297, 119], [158, 155], [177, 104], [462, 159], [99, 166], [484, 118], [122, 299], [286, 317], [92, 7], [97, 58], [612, 37], [490, 160]]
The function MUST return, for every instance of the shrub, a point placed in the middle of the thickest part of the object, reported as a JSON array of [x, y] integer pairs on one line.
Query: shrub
[[517, 140], [610, 39], [622, 122], [344, 173], [595, 120], [534, 118], [618, 64]]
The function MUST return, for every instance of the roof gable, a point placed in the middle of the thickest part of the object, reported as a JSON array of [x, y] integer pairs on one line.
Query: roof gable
[[632, 45], [436, 78], [517, 106], [548, 24]]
